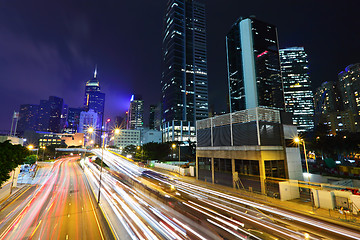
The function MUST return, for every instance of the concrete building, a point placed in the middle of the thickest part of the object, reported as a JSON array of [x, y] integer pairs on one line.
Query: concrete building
[[150, 135], [127, 137], [251, 149]]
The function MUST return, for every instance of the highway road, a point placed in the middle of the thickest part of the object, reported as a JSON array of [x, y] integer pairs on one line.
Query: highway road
[[59, 205], [151, 205]]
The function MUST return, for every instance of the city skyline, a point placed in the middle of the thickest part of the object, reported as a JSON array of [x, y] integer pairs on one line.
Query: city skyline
[[57, 58]]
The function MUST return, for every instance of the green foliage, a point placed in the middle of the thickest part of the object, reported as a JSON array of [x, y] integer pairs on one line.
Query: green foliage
[[31, 159], [130, 149], [10, 157], [156, 151]]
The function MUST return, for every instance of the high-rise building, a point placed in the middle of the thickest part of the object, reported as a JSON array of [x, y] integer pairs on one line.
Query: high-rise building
[[254, 75], [327, 98], [90, 119], [56, 111], [136, 112], [44, 116], [73, 119], [94, 99], [349, 87], [184, 83], [50, 115], [28, 117], [299, 98]]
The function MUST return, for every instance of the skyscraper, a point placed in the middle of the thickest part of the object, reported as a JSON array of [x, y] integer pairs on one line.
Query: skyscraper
[[50, 115], [136, 112], [349, 87], [299, 98], [28, 117], [254, 75], [94, 99], [73, 119], [184, 83], [155, 117]]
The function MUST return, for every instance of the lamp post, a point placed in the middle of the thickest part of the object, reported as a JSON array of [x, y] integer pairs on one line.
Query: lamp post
[[43, 152], [174, 146], [103, 136], [301, 141]]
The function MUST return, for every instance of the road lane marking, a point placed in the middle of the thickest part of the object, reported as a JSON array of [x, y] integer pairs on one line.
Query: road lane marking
[[92, 206], [35, 229]]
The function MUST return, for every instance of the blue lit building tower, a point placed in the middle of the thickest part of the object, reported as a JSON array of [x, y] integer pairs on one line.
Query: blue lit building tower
[[254, 74], [184, 82], [299, 98], [94, 99]]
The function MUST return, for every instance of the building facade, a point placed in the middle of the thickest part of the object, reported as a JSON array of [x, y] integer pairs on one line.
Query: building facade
[[299, 98], [251, 149], [184, 82], [50, 115], [136, 112], [155, 117], [337, 104], [150, 135], [73, 119], [254, 75], [127, 137], [28, 115], [349, 88]]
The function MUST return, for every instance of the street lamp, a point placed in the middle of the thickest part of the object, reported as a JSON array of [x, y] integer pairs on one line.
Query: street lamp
[[301, 141], [103, 136], [174, 146], [43, 152]]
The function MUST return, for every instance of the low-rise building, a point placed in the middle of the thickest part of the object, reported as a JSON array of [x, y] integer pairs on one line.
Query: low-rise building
[[251, 149], [127, 137], [150, 135]]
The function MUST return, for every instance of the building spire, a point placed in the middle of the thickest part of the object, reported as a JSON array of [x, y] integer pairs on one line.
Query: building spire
[[95, 72]]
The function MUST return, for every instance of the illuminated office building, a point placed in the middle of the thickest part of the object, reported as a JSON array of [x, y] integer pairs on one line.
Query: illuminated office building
[[299, 98], [184, 83], [254, 77], [136, 112], [94, 99]]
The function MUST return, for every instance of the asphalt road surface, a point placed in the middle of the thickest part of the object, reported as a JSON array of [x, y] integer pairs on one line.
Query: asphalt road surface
[[59, 206]]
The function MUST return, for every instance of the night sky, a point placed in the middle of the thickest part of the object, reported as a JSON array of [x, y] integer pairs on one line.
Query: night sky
[[50, 47]]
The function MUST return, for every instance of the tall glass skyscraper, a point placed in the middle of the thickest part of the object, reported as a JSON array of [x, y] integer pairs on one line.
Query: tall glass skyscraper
[[254, 74], [136, 112], [184, 83], [299, 98], [94, 99]]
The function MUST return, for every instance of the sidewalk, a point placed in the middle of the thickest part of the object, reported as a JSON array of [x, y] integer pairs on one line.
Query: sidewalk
[[333, 216]]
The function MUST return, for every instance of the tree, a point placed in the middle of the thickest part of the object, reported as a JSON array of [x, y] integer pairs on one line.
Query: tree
[[10, 157], [129, 150], [156, 151], [31, 159]]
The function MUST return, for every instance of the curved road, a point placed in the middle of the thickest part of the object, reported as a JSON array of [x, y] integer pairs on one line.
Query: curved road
[[61, 207]]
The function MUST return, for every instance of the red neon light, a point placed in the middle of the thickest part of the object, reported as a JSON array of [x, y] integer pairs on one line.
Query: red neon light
[[263, 53]]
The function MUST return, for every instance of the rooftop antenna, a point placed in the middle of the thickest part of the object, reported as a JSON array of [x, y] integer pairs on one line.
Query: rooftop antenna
[[95, 72]]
